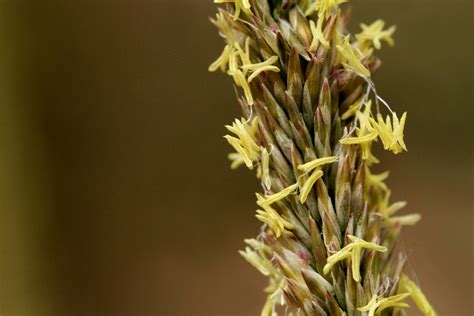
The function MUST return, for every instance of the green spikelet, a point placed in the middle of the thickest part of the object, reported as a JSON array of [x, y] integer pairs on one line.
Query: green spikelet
[[310, 117]]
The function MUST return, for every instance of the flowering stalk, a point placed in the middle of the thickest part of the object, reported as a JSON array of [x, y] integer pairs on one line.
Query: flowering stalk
[[311, 114]]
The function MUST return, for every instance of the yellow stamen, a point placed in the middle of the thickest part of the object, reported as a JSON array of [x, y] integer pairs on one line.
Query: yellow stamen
[[310, 166], [267, 307], [392, 137], [324, 7], [376, 180], [374, 34], [239, 76], [258, 245], [352, 249], [342, 254], [237, 145], [270, 216], [255, 260], [308, 185], [270, 199], [240, 5], [407, 285], [353, 109], [258, 255], [244, 55], [317, 174], [266, 180], [398, 130], [258, 68], [240, 80], [367, 154], [318, 35], [364, 119], [244, 144], [236, 159], [388, 210], [245, 134], [378, 304], [225, 27], [359, 139], [366, 128], [351, 59], [395, 207], [275, 221], [405, 220], [313, 7], [222, 61]]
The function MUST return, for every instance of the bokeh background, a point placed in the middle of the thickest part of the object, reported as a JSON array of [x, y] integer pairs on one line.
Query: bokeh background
[[116, 197]]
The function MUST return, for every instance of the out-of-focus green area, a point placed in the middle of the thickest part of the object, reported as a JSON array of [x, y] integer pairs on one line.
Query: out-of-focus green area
[[116, 196]]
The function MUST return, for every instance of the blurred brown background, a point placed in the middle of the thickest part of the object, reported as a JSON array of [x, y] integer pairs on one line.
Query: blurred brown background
[[116, 196]]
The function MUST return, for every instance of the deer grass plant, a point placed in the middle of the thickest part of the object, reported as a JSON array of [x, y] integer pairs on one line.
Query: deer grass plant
[[310, 117]]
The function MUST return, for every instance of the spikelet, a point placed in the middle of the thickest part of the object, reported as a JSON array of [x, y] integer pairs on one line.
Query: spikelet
[[311, 116]]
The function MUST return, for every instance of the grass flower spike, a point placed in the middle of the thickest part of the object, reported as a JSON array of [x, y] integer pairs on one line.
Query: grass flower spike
[[311, 117]]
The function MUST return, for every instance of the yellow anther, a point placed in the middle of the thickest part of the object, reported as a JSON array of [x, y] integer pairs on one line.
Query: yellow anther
[[258, 255], [318, 35], [324, 7], [225, 27], [376, 180], [310, 166], [244, 55], [275, 221], [407, 285], [317, 174], [351, 59], [270, 199], [374, 34], [392, 136], [266, 180], [240, 5], [257, 69], [255, 259], [384, 205], [359, 139], [378, 304], [222, 61], [240, 81], [245, 143], [353, 250], [308, 185], [366, 132], [236, 159], [405, 220], [387, 210], [353, 109]]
